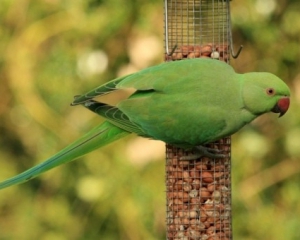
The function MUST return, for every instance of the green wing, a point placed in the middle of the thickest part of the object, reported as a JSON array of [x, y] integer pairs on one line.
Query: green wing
[[115, 116], [147, 79], [171, 76], [172, 101], [99, 91]]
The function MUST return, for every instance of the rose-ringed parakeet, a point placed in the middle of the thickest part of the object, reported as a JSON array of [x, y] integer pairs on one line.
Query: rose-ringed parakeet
[[184, 103]]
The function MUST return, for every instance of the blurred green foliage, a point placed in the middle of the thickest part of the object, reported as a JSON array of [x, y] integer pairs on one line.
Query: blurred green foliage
[[48, 50]]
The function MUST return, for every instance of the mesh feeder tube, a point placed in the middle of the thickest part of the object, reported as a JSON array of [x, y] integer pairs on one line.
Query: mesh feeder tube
[[198, 192]]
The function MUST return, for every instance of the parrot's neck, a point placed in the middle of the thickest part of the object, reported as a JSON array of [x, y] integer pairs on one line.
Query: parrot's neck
[[249, 98]]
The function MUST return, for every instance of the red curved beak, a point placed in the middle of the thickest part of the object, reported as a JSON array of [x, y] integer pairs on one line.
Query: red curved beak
[[281, 106]]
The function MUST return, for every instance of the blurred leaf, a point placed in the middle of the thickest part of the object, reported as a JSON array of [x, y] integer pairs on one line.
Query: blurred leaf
[[107, 194]]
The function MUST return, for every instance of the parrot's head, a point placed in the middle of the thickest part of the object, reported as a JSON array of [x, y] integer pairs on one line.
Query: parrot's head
[[264, 92]]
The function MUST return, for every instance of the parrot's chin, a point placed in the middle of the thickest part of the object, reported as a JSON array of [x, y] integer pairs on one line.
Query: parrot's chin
[[281, 106]]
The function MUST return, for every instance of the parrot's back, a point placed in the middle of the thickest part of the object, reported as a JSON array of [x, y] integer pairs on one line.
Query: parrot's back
[[186, 103]]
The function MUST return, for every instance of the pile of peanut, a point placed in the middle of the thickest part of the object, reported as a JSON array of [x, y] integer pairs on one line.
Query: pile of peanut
[[198, 191], [209, 50], [198, 195]]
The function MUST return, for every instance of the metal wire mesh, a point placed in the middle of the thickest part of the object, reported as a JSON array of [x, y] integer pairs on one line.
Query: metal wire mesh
[[196, 28], [198, 191]]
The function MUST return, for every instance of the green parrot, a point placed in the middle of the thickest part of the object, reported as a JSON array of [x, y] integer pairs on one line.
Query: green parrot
[[185, 103]]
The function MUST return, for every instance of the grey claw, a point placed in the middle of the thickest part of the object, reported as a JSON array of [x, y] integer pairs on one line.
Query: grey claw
[[202, 151]]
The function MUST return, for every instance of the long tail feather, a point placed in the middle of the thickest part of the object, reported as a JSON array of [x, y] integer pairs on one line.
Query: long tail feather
[[96, 138]]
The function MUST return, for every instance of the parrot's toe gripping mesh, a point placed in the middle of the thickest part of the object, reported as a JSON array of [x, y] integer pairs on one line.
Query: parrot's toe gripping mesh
[[202, 151]]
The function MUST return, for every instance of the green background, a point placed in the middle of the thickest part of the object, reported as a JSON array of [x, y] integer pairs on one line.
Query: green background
[[48, 51]]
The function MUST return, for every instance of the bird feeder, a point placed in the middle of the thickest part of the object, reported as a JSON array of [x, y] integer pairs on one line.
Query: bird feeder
[[198, 191]]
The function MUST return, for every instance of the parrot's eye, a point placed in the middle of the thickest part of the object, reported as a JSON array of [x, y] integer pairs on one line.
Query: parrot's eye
[[270, 91]]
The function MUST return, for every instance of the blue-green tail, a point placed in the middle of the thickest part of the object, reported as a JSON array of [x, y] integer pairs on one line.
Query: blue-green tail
[[96, 138]]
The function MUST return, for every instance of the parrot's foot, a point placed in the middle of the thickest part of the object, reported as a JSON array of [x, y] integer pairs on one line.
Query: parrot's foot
[[202, 151]]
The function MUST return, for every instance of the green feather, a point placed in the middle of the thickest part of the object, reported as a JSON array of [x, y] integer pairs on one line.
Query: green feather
[[185, 103], [96, 138]]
